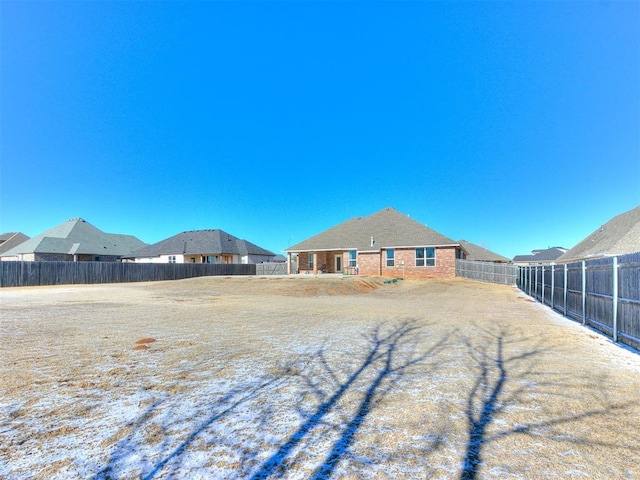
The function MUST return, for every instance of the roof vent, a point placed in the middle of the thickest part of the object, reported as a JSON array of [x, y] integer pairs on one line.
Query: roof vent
[[372, 241]]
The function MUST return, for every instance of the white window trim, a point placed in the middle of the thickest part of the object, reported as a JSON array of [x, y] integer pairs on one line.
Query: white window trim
[[425, 258], [392, 259], [354, 260]]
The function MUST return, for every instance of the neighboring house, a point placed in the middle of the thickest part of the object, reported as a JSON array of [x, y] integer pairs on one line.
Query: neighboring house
[[477, 253], [74, 240], [10, 240], [540, 257], [618, 236], [386, 243], [203, 246]]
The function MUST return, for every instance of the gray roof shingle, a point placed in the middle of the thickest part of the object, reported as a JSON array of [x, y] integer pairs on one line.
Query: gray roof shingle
[[475, 252], [618, 236], [388, 227], [77, 236], [11, 240], [201, 242], [543, 255]]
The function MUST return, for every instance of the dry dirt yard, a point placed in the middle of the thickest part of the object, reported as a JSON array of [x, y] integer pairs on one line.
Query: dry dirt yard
[[309, 378]]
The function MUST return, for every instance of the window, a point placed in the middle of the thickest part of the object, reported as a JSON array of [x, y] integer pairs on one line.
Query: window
[[426, 257], [172, 259], [391, 257], [353, 258], [311, 260]]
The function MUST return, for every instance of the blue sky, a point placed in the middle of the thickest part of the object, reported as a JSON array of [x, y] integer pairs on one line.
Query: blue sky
[[513, 125]]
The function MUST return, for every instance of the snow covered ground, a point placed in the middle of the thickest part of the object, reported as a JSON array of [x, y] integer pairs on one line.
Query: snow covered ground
[[308, 378]]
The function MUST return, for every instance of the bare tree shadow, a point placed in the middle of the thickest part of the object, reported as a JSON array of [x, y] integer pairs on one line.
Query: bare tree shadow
[[337, 401], [390, 354], [482, 403], [503, 379], [322, 384]]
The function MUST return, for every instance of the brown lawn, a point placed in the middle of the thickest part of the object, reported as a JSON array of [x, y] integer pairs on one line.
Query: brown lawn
[[309, 378]]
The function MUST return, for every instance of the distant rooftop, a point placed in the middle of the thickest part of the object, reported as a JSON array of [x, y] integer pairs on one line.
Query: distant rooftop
[[619, 236], [543, 255], [476, 252]]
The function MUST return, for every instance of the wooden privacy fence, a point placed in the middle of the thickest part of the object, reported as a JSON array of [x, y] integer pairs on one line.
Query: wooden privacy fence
[[487, 271], [603, 294], [271, 268], [23, 274]]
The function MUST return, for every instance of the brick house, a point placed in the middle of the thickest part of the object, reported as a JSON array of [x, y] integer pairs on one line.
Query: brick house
[[386, 243]]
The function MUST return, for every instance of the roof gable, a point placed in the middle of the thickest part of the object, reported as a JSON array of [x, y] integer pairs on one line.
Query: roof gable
[[475, 252], [618, 236], [77, 236], [386, 228], [201, 242], [541, 255], [11, 240]]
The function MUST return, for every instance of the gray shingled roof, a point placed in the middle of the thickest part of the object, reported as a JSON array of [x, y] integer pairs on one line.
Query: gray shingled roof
[[201, 242], [543, 255], [388, 227], [77, 236], [618, 236], [475, 252], [11, 240]]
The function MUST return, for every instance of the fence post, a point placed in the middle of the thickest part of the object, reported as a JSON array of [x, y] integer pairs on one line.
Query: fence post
[[615, 299], [535, 289], [584, 292], [530, 281], [553, 282], [542, 292], [564, 293]]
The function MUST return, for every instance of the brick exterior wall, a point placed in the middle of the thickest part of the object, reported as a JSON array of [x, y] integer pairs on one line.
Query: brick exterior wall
[[52, 257], [65, 257], [369, 263], [375, 263], [445, 264], [321, 258]]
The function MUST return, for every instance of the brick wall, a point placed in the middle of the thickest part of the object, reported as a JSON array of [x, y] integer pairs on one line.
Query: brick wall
[[52, 257], [321, 258], [303, 262], [369, 263], [445, 264], [375, 263]]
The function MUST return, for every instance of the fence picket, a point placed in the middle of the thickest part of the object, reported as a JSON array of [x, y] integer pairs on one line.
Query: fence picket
[[22, 274], [487, 271], [603, 294]]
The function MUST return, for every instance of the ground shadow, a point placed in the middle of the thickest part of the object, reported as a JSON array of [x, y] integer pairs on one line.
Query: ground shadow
[[127, 447], [499, 364], [379, 361], [391, 352]]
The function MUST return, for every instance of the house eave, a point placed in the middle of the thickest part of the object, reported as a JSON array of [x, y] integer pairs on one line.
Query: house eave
[[321, 249], [427, 245], [333, 249]]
